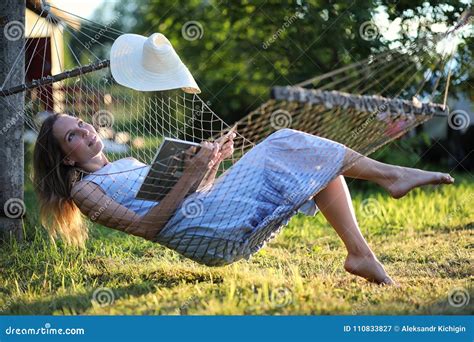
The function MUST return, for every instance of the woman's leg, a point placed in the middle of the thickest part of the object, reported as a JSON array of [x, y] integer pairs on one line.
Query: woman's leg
[[397, 180], [334, 201]]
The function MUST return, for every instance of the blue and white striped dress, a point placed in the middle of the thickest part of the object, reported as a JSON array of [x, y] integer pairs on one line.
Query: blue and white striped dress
[[246, 206]]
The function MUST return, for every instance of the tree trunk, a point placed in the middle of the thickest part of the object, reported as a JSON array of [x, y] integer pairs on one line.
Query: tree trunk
[[12, 72]]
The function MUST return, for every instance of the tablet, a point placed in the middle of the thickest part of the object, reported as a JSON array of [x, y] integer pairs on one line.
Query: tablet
[[166, 169]]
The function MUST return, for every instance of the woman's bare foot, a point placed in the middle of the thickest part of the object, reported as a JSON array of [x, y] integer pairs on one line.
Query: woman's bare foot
[[405, 179], [367, 267]]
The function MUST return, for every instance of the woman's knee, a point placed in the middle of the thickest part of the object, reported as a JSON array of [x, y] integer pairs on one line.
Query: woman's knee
[[283, 132]]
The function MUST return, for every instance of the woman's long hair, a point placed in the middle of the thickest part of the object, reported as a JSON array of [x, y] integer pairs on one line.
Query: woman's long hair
[[53, 182]]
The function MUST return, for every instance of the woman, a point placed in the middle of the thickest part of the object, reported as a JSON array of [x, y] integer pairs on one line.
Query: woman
[[239, 212]]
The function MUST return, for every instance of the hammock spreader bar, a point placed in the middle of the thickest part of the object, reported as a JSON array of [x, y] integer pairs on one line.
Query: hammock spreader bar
[[56, 78], [362, 103]]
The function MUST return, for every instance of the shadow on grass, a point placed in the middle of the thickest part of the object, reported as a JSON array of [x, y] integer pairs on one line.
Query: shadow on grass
[[80, 303], [73, 304], [161, 278]]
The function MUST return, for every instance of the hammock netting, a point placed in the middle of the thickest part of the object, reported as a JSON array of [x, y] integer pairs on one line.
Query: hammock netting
[[285, 151]]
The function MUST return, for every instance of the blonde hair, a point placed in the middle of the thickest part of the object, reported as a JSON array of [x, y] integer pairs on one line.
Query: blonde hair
[[53, 181]]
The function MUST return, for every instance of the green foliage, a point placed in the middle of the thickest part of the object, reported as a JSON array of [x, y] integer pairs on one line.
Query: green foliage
[[406, 151], [243, 48]]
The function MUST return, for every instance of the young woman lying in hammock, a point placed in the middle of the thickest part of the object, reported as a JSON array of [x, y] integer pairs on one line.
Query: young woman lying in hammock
[[66, 145]]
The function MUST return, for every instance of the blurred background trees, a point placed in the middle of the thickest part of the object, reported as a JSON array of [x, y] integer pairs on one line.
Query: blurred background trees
[[238, 50], [231, 51]]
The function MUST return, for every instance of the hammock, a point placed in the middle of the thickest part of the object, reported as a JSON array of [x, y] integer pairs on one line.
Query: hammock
[[282, 152]]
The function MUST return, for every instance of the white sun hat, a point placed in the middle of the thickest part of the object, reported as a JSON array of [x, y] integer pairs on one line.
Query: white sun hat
[[149, 64]]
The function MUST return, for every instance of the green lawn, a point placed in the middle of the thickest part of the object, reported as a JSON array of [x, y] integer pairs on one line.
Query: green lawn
[[424, 240]]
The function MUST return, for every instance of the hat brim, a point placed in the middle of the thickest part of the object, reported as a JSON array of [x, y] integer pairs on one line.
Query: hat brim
[[127, 69]]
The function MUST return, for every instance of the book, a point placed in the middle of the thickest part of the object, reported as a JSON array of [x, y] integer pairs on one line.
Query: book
[[166, 169]]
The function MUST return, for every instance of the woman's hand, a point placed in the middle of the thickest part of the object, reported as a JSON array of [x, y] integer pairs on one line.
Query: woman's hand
[[227, 146], [196, 165]]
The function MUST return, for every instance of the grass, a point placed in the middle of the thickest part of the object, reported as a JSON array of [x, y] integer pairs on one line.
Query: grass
[[424, 240]]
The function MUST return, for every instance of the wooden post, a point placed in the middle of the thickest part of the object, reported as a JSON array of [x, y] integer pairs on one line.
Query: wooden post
[[12, 70]]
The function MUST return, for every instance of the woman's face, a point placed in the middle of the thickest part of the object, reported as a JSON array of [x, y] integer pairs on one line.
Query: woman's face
[[78, 139]]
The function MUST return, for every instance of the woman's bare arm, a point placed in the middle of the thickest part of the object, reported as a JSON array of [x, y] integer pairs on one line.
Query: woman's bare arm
[[208, 179], [159, 215], [93, 202], [103, 209], [98, 206], [226, 149]]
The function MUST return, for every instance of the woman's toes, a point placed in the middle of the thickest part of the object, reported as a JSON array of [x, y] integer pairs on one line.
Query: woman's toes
[[389, 281], [418, 178], [367, 267], [446, 178]]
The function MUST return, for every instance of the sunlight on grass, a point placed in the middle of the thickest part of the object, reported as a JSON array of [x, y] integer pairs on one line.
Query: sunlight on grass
[[424, 240]]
